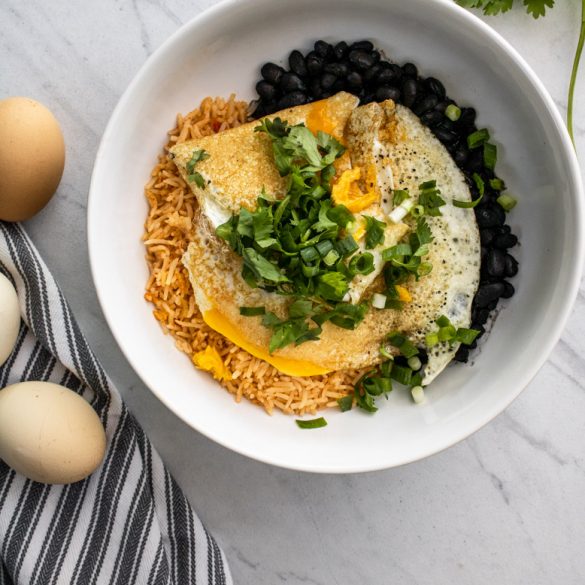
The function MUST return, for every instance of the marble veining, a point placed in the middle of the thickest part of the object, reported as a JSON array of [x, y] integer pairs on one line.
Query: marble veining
[[505, 507]]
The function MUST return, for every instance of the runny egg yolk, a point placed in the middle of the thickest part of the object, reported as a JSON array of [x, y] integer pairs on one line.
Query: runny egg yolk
[[217, 321], [210, 361], [322, 118], [346, 191]]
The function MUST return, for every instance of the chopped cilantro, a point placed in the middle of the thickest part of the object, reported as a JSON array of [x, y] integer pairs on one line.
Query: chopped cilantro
[[192, 175]]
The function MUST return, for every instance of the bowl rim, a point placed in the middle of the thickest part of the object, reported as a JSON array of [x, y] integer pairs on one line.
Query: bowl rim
[[574, 182]]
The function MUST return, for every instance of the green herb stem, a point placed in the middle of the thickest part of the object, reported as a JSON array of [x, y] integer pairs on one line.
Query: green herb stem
[[576, 62]]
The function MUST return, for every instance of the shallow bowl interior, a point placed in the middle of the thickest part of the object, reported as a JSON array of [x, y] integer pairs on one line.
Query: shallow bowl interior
[[219, 53]]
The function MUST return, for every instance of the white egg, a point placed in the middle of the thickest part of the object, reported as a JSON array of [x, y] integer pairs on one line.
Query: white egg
[[9, 318], [49, 433]]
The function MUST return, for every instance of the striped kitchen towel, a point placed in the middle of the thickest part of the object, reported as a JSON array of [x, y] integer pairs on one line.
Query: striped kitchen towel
[[127, 523]]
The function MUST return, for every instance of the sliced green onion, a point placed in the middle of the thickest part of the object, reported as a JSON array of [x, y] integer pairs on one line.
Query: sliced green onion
[[400, 212], [252, 311], [379, 301], [447, 333], [471, 204], [431, 339], [401, 374], [324, 247], [385, 353], [417, 211], [418, 394], [490, 155], [377, 386], [428, 185], [331, 257], [507, 202], [315, 423], [478, 138], [345, 403], [347, 246], [453, 112], [362, 264], [309, 271], [497, 184], [414, 363], [309, 254]]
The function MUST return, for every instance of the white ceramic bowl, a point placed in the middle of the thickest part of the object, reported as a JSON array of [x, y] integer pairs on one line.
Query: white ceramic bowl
[[220, 52]]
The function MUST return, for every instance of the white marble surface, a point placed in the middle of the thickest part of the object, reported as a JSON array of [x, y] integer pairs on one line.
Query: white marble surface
[[506, 507]]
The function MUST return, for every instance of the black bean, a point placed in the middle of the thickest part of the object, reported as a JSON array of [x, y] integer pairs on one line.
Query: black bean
[[492, 306], [338, 69], [496, 263], [272, 72], [315, 88], [361, 59], [424, 104], [387, 76], [435, 87], [486, 236], [509, 290], [461, 154], [259, 110], [505, 240], [291, 82], [431, 118], [323, 49], [475, 160], [511, 266], [340, 50], [354, 80], [376, 56], [488, 293], [409, 91], [444, 135], [487, 217], [297, 63], [423, 356], [327, 80], [314, 64], [467, 118], [443, 105], [387, 93], [410, 70], [481, 316], [265, 90], [462, 355], [484, 252], [339, 85], [290, 100], [367, 98], [362, 46], [370, 74]]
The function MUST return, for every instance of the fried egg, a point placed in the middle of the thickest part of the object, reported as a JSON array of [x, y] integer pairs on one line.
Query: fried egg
[[387, 148]]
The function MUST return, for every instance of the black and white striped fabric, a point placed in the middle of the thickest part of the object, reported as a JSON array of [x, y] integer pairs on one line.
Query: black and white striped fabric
[[127, 523]]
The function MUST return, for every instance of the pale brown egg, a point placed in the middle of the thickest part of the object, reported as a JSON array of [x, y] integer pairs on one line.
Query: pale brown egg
[[49, 433], [32, 157]]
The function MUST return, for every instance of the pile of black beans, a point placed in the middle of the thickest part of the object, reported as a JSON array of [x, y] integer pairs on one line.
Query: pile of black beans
[[360, 69]]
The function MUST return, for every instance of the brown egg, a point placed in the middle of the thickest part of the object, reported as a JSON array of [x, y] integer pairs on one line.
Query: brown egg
[[32, 157]]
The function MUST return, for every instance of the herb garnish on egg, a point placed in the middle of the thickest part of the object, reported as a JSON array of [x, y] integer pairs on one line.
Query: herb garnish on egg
[[192, 174]]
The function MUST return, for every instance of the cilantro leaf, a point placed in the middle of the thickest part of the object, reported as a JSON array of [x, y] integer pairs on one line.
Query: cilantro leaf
[[192, 175], [261, 267], [374, 232]]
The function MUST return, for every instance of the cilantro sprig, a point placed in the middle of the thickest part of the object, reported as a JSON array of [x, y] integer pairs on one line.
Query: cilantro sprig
[[538, 8]]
